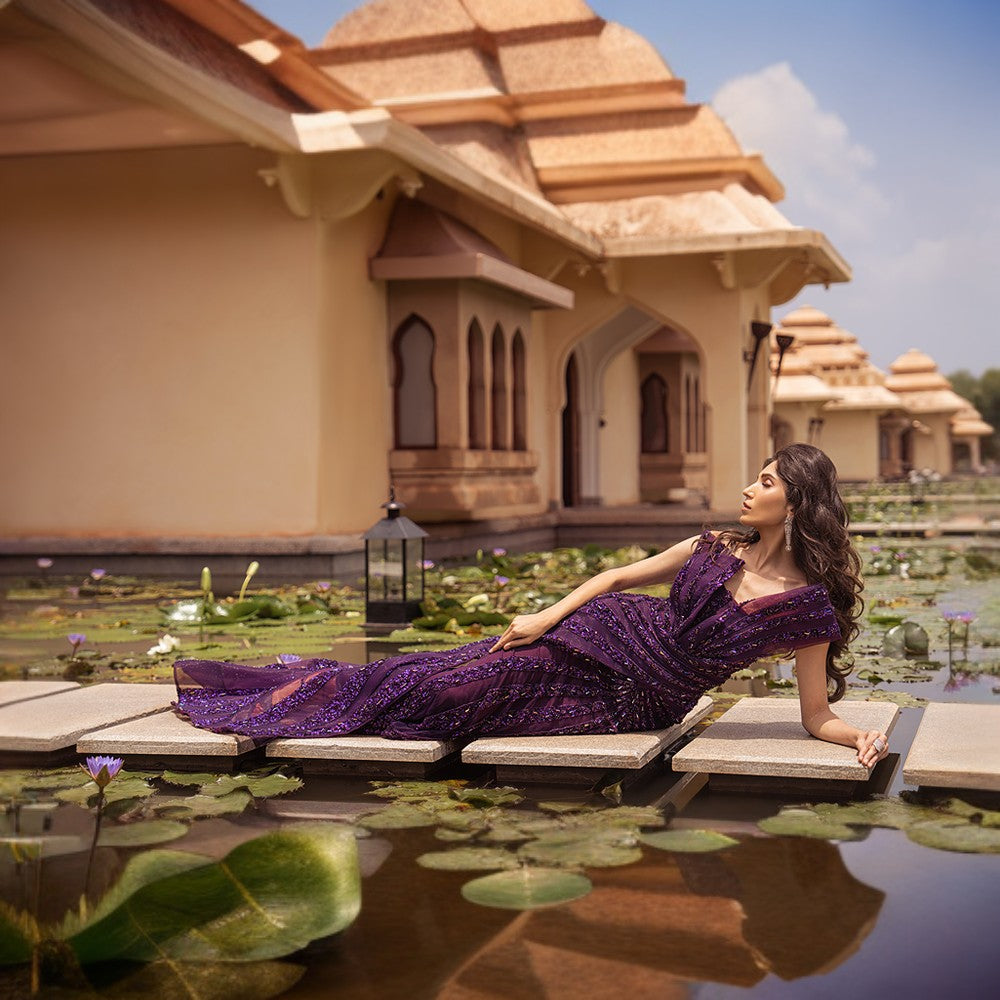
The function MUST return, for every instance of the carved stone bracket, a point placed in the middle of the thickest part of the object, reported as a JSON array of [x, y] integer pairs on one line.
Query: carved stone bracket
[[336, 187]]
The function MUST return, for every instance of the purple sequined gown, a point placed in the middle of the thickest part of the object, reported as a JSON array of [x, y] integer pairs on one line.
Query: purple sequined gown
[[621, 663]]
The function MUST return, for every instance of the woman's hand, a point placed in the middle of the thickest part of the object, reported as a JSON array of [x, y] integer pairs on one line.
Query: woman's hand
[[524, 629], [868, 745]]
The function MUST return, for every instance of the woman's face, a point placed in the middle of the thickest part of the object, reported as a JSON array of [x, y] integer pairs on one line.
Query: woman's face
[[764, 501]]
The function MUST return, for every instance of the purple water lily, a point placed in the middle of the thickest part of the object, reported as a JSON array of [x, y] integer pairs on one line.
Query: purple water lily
[[427, 564], [323, 586], [98, 574], [288, 658], [103, 769], [44, 563], [502, 581], [76, 640], [499, 552]]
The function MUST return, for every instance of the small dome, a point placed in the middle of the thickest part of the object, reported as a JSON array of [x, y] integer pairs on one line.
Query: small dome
[[913, 361], [807, 316]]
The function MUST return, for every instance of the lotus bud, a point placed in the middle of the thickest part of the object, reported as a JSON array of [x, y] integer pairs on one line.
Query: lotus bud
[[206, 578], [251, 569]]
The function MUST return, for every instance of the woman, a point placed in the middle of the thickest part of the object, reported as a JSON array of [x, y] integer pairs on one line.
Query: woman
[[600, 660]]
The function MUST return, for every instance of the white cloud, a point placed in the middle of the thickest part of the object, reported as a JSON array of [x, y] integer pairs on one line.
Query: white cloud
[[825, 171]]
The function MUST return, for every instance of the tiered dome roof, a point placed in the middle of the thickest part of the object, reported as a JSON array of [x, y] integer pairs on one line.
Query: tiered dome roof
[[556, 99]]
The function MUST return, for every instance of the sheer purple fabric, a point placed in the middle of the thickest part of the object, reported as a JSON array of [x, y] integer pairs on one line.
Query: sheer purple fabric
[[621, 663]]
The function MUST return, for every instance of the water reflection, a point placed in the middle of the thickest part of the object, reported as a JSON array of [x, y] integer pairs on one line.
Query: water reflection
[[787, 907]]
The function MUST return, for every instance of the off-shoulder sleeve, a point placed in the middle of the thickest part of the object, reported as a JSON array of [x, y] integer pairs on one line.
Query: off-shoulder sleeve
[[803, 619]]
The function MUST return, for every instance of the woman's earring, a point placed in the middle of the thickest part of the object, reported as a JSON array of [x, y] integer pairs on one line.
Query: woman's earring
[[788, 532]]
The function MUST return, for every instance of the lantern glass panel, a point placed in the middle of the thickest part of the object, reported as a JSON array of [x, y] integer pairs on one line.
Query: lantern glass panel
[[414, 569], [385, 569]]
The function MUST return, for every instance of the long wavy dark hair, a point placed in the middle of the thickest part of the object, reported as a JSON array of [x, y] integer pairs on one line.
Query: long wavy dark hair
[[821, 545]]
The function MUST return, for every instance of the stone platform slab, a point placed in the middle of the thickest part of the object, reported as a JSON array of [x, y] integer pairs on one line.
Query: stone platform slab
[[15, 691], [764, 737], [57, 721], [361, 748], [956, 746], [600, 751], [164, 734]]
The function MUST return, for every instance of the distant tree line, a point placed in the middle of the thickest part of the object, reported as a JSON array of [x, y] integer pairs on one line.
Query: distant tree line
[[984, 394]]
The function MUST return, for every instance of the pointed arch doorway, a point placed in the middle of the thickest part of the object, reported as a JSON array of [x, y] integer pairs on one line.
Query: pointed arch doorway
[[571, 435]]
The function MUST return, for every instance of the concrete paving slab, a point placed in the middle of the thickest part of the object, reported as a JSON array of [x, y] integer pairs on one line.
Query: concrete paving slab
[[956, 746], [361, 748], [764, 736], [616, 750], [59, 720], [163, 734], [15, 691]]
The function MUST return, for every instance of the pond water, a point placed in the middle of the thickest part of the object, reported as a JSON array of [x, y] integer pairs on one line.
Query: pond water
[[769, 916]]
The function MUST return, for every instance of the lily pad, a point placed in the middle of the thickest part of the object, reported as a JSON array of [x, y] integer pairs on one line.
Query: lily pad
[[892, 813], [207, 981], [260, 786], [268, 897], [130, 786], [398, 816], [200, 806], [142, 834], [951, 835], [414, 790], [578, 849], [985, 817], [527, 888], [688, 841], [469, 859], [484, 797], [798, 822]]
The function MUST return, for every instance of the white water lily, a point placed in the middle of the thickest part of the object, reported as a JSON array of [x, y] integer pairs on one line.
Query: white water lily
[[167, 644]]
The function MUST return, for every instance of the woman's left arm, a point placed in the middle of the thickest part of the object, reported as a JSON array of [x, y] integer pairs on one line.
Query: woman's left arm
[[819, 720]]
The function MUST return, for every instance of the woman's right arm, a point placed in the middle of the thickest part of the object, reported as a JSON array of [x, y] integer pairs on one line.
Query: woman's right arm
[[661, 568]]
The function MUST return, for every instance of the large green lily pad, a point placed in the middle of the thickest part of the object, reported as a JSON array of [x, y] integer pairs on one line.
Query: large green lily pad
[[267, 898], [169, 980], [18, 933], [200, 806], [527, 888]]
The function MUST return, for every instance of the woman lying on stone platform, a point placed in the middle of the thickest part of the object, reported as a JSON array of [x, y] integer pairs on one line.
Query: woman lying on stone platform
[[600, 661]]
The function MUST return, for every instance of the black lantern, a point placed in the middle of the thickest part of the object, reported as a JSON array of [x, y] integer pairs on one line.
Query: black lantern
[[785, 340], [759, 331], [394, 567]]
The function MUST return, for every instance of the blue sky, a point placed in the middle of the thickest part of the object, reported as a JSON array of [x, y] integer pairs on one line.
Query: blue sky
[[880, 116]]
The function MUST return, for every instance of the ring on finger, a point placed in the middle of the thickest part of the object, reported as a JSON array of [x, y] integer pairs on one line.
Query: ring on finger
[[879, 744]]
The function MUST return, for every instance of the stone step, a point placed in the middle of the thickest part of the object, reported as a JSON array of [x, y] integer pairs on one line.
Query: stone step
[[764, 738], [15, 691], [956, 746], [630, 751], [367, 755], [164, 734], [58, 720]]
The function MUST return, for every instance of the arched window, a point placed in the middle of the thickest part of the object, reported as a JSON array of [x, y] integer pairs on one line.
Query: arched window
[[654, 426], [500, 404], [520, 394], [477, 388], [414, 393]]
